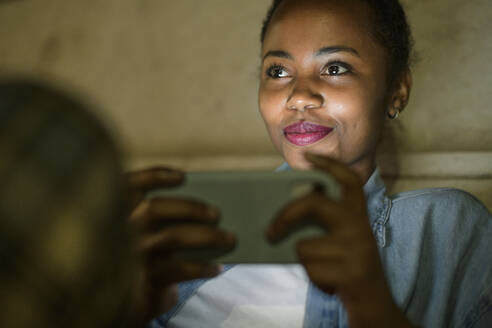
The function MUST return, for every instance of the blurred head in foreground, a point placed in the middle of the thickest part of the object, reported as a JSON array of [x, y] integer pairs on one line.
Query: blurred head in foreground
[[64, 243]]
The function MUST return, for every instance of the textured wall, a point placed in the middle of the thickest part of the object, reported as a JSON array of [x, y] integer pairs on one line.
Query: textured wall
[[180, 77], [177, 77], [450, 107]]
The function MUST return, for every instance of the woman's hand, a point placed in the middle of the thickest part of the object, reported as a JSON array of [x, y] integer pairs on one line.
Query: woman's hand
[[345, 261], [164, 227]]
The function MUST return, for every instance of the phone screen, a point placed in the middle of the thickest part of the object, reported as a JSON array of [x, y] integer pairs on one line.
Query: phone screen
[[248, 201]]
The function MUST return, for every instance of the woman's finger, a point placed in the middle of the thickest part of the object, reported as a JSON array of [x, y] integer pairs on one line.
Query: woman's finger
[[150, 214], [329, 276], [154, 177], [349, 181], [141, 181], [358, 261], [322, 248], [187, 236], [314, 209]]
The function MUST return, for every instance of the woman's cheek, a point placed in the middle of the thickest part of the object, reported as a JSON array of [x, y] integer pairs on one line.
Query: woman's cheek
[[271, 107], [264, 102], [271, 112]]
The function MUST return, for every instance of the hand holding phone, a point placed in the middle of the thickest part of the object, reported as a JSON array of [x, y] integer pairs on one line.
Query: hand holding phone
[[165, 226], [248, 201]]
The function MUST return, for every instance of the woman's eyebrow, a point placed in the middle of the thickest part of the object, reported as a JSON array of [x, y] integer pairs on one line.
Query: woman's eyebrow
[[320, 52], [278, 53], [332, 49]]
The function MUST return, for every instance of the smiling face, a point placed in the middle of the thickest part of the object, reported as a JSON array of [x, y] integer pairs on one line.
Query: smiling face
[[323, 86]]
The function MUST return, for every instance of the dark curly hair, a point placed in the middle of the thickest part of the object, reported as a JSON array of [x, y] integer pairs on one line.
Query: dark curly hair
[[391, 30]]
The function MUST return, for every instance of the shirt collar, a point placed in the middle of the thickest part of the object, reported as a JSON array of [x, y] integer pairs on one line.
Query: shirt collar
[[374, 189], [378, 206]]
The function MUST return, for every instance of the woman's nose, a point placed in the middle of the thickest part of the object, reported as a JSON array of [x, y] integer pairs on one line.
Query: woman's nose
[[303, 98]]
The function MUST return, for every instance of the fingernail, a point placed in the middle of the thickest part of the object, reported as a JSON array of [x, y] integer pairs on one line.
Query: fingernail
[[230, 237], [213, 212]]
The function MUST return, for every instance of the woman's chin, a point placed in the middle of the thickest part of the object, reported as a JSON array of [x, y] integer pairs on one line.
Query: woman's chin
[[296, 157], [298, 162]]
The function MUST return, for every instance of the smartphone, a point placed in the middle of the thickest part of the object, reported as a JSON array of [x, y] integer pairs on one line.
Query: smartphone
[[248, 201]]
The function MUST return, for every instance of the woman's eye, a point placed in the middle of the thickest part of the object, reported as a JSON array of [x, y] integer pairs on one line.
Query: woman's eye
[[277, 72], [336, 69]]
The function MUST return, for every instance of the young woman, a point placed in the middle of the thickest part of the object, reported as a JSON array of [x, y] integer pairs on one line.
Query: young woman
[[333, 72]]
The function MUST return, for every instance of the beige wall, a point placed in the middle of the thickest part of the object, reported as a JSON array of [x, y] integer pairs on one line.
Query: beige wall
[[178, 79], [450, 107]]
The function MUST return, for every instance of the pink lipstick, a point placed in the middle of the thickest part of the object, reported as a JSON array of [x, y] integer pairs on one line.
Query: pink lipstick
[[305, 133]]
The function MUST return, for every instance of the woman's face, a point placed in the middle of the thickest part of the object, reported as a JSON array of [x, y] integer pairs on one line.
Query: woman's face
[[323, 84]]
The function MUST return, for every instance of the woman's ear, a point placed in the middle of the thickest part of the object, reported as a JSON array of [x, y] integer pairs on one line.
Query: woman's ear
[[401, 94]]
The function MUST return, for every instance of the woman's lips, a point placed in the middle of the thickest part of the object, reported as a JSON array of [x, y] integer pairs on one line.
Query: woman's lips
[[305, 133]]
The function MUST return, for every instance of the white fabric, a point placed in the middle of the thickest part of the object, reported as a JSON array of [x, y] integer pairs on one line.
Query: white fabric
[[248, 296]]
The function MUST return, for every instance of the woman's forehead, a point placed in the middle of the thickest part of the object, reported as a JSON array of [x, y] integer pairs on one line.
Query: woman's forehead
[[319, 23], [319, 5]]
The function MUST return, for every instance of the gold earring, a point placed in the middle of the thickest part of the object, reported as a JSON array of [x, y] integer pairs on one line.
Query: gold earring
[[395, 116]]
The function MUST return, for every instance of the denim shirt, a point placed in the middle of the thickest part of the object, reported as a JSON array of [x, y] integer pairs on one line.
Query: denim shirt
[[436, 250]]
